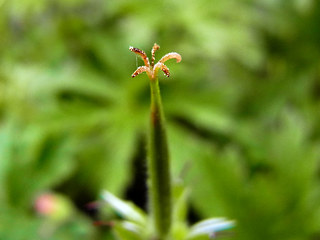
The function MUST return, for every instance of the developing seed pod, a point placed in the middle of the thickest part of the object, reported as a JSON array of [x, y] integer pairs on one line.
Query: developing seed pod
[[158, 163]]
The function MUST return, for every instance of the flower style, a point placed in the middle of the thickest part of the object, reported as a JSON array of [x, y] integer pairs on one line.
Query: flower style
[[150, 68]]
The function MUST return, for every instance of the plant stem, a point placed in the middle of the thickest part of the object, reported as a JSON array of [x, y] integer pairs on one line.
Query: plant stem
[[158, 166]]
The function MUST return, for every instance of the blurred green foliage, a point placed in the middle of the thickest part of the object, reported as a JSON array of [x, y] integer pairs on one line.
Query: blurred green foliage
[[242, 109]]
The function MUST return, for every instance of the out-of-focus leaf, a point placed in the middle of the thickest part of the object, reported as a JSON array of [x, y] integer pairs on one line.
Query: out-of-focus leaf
[[180, 194], [209, 227], [126, 230], [264, 188], [16, 225], [126, 209], [180, 200]]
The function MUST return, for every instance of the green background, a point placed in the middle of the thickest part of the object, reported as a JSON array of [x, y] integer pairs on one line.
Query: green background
[[242, 111]]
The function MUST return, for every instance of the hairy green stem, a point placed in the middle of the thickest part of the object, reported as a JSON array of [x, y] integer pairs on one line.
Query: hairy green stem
[[159, 166]]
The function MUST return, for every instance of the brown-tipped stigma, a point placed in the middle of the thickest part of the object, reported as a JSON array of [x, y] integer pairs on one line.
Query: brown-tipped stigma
[[165, 69], [140, 70], [152, 69], [154, 49], [142, 54], [170, 56], [161, 66]]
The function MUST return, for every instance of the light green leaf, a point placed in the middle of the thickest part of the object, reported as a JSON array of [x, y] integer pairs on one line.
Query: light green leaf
[[126, 209], [210, 227], [126, 230]]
